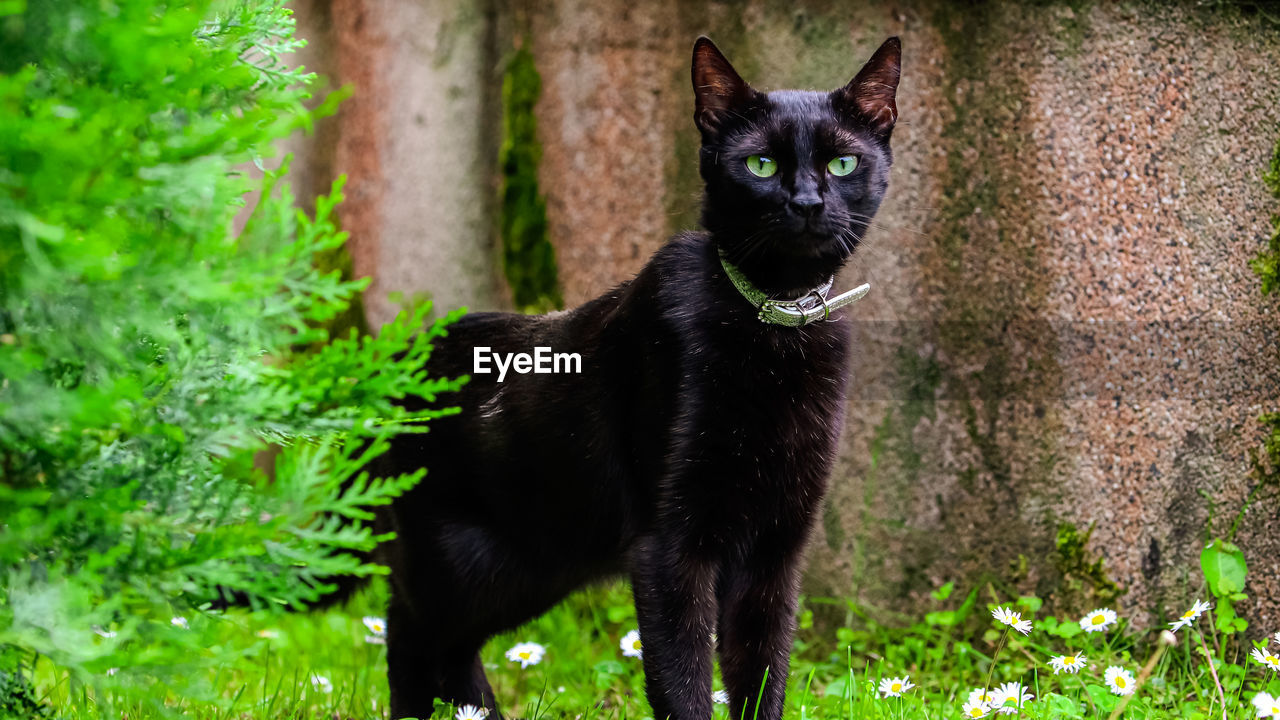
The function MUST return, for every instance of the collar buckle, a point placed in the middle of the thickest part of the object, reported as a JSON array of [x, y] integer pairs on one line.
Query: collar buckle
[[811, 307], [815, 298]]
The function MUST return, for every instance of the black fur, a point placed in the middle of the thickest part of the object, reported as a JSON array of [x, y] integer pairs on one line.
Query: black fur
[[691, 453]]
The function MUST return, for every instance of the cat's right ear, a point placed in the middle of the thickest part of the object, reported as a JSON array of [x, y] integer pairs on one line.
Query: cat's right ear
[[718, 89]]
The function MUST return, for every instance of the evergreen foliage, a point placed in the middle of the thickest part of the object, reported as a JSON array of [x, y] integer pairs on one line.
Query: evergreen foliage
[[151, 353]]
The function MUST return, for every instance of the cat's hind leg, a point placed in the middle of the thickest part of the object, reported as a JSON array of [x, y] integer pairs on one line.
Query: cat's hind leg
[[413, 667], [462, 681], [427, 661]]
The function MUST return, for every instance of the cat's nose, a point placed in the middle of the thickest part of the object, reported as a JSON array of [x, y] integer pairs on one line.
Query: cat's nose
[[806, 206]]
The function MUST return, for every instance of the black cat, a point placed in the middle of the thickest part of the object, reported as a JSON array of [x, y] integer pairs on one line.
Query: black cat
[[691, 452]]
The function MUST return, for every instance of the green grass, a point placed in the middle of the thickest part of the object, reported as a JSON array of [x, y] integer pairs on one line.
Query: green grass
[[267, 662]]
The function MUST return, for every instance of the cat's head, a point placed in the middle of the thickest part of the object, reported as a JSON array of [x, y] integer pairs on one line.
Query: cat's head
[[793, 177]]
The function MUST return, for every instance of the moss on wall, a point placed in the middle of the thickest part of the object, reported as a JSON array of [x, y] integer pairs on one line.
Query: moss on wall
[[1267, 264], [1082, 577], [528, 259], [995, 357], [1266, 462], [896, 465]]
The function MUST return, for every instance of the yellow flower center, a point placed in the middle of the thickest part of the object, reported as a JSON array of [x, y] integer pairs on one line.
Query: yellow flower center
[[636, 645], [523, 654], [896, 687], [1120, 682], [1069, 660], [975, 712], [1099, 619], [1188, 614]]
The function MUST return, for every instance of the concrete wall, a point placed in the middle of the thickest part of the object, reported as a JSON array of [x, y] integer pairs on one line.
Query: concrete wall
[[416, 141], [1063, 331]]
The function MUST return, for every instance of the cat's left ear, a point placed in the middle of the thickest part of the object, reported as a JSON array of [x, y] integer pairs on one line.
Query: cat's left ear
[[871, 93]]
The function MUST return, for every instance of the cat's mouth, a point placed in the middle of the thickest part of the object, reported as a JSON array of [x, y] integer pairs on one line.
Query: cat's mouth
[[822, 241], [819, 229]]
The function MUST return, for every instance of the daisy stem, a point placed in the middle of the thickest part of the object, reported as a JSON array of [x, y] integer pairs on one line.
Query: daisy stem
[[1214, 673], [1087, 696], [520, 687], [1146, 673], [995, 656]]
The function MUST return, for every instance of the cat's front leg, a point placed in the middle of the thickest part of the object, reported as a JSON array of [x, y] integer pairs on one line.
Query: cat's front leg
[[757, 604], [676, 607]]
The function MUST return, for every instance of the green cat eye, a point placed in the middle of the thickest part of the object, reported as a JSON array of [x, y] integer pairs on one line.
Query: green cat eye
[[761, 165], [842, 165]]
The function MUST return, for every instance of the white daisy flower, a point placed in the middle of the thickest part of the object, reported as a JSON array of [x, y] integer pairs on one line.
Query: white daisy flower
[[1266, 705], [1190, 616], [1010, 698], [894, 687], [1098, 620], [1119, 680], [471, 712], [1007, 616], [321, 683], [975, 710], [1277, 637], [1266, 657], [1067, 663], [979, 696], [377, 626], [526, 653], [720, 697], [631, 644], [179, 622], [1012, 619]]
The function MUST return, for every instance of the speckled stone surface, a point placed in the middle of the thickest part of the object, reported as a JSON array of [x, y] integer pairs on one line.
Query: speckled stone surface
[[417, 143], [1151, 141], [603, 116]]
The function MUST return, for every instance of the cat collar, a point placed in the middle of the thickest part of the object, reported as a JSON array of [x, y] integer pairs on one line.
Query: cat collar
[[811, 307]]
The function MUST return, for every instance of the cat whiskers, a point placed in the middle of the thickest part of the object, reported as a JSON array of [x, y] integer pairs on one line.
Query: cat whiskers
[[848, 240], [879, 224]]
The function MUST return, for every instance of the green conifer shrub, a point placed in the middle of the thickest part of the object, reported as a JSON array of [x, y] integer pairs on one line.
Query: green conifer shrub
[[150, 351]]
